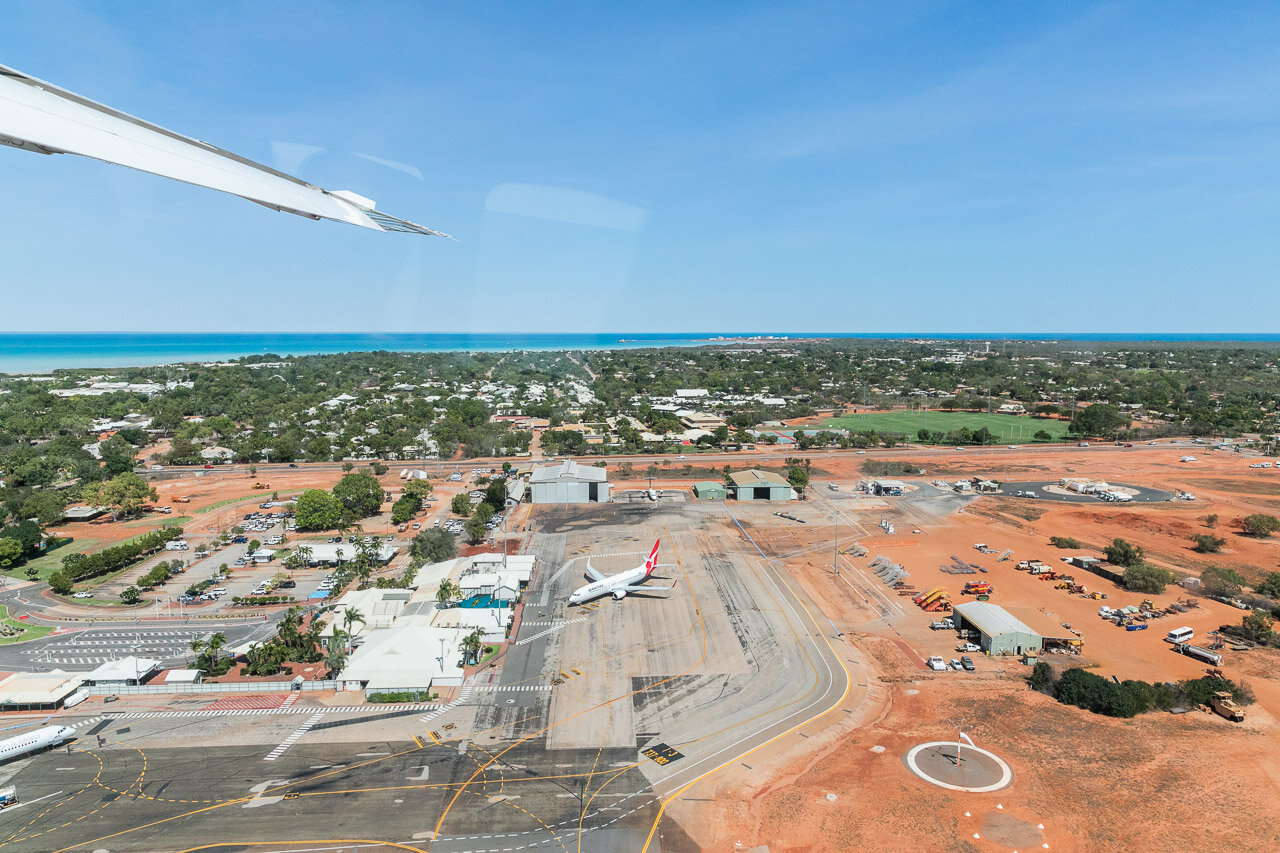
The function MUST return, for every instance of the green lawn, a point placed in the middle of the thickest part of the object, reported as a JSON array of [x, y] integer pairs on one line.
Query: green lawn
[[29, 632], [1012, 429], [47, 563], [228, 502], [150, 521]]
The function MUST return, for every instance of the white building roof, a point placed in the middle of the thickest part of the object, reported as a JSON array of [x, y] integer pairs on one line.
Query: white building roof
[[39, 688], [992, 619], [131, 668], [568, 471], [327, 552], [183, 676], [406, 657]]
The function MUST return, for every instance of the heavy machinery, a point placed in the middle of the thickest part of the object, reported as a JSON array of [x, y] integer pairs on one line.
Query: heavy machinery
[[181, 499], [928, 595], [1226, 706], [262, 486]]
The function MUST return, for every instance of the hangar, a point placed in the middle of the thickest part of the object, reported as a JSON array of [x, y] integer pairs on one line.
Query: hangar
[[569, 483], [757, 485], [710, 490]]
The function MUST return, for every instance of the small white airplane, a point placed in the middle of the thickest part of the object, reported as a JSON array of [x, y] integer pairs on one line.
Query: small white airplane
[[620, 584], [21, 745]]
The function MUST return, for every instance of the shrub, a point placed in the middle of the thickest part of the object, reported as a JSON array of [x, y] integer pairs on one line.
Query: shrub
[[1065, 542], [1043, 678], [1207, 543], [1260, 524], [1144, 578], [1123, 553]]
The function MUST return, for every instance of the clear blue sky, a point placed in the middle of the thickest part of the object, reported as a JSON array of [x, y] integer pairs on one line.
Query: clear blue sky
[[975, 166]]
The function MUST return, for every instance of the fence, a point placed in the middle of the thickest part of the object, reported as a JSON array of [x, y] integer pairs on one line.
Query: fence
[[235, 687]]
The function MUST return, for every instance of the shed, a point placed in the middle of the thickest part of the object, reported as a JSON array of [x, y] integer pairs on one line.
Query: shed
[[710, 490], [128, 670], [1001, 633], [183, 676], [757, 485], [888, 487], [569, 483], [82, 513]]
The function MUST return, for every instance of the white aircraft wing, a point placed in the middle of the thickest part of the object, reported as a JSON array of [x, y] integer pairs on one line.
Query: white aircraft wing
[[643, 588], [40, 117], [596, 574]]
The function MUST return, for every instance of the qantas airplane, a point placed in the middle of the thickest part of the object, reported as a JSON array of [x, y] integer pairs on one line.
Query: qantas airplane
[[21, 745], [620, 584]]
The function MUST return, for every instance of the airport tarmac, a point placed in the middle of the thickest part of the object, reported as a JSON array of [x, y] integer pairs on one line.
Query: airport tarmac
[[593, 720]]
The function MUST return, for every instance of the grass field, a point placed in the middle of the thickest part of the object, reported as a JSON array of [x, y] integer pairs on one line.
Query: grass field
[[47, 563], [29, 632], [1012, 429]]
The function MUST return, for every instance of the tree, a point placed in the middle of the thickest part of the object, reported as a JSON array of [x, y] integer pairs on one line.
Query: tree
[[348, 465], [1101, 419], [361, 494], [379, 468], [1065, 542], [418, 488], [350, 616], [1257, 626], [1042, 435], [1211, 520], [60, 583], [335, 655], [317, 510], [447, 592], [11, 552], [405, 508], [1123, 553], [495, 494], [1207, 543], [122, 495], [131, 595], [254, 545], [1270, 585], [471, 646], [475, 529], [1141, 577], [32, 573], [1215, 580], [484, 513], [45, 507], [461, 504], [798, 477], [1043, 678], [1260, 524], [433, 546]]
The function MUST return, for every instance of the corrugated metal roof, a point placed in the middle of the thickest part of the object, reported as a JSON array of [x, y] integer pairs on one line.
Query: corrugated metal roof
[[568, 471], [992, 619], [756, 477]]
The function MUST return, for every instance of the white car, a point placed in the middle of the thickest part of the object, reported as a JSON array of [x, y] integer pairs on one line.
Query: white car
[[82, 595]]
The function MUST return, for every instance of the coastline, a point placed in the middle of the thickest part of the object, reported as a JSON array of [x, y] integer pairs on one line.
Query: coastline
[[42, 352]]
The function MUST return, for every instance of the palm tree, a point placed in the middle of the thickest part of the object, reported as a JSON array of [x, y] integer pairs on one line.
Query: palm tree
[[447, 592], [471, 646], [350, 616]]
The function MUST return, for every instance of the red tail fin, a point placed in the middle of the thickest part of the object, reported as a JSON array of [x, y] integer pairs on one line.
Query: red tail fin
[[652, 562]]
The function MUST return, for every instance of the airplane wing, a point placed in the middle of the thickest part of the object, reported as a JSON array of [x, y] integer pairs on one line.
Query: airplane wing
[[646, 588], [596, 574], [42, 118]]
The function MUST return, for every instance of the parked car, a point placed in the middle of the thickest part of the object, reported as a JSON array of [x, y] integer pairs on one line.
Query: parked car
[[293, 464], [968, 647], [967, 663], [82, 595], [956, 665]]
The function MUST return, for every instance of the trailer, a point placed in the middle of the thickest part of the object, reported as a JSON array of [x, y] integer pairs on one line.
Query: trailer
[[929, 594]]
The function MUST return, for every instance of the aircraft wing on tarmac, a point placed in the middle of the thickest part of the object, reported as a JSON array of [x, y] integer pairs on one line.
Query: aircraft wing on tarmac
[[40, 117], [594, 573]]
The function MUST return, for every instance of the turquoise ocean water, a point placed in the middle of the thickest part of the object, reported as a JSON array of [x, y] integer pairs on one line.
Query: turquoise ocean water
[[35, 352]]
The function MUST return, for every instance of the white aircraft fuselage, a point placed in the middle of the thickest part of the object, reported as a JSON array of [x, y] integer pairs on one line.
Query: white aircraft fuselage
[[20, 745], [616, 585]]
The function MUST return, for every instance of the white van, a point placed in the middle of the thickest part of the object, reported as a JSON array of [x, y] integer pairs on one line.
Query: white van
[[1180, 635]]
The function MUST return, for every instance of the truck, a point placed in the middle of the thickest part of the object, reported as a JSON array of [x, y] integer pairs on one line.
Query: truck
[[943, 625], [1221, 702], [8, 797], [181, 499], [976, 588], [1211, 658]]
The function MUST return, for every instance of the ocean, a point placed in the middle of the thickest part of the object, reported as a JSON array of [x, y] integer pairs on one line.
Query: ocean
[[44, 351]]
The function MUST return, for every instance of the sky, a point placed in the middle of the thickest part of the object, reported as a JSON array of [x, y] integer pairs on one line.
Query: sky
[[665, 167]]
